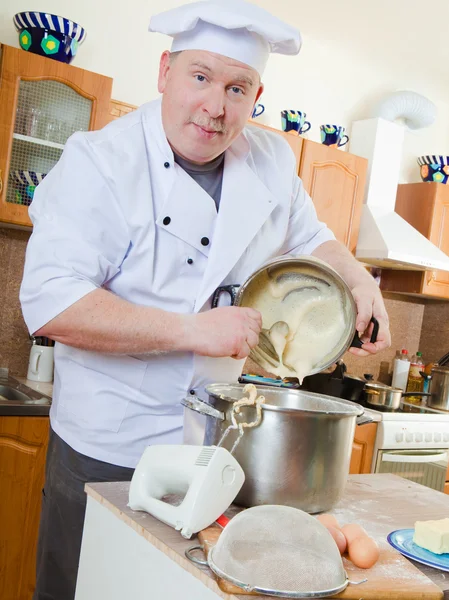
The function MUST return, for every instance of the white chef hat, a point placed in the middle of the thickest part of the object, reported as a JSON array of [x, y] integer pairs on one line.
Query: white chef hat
[[233, 28]]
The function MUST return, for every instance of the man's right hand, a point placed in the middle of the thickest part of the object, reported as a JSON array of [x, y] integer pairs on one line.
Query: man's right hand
[[226, 331]]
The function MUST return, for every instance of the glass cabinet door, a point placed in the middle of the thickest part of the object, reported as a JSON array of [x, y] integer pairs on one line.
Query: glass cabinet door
[[42, 103], [47, 113]]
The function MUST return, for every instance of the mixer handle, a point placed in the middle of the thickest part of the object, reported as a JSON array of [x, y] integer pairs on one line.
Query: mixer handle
[[357, 342], [232, 290]]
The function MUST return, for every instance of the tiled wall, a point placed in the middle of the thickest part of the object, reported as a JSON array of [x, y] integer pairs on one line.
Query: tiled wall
[[14, 340], [435, 331]]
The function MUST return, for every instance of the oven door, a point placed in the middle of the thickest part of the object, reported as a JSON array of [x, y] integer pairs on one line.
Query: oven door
[[427, 467]]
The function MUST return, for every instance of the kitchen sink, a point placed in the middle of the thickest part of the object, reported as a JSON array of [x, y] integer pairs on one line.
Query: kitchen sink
[[17, 399], [10, 394]]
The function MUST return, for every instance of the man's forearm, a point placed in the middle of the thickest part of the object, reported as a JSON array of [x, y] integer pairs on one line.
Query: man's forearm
[[103, 322], [348, 267]]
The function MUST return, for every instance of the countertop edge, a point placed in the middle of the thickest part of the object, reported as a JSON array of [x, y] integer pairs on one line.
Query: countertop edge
[[191, 568]]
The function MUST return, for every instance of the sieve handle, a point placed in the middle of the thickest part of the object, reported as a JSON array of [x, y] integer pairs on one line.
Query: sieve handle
[[194, 559]]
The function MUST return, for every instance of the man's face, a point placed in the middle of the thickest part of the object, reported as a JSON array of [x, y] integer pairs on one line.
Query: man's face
[[207, 99]]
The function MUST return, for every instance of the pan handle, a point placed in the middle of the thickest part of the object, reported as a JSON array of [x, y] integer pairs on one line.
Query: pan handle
[[225, 289], [357, 342], [199, 406]]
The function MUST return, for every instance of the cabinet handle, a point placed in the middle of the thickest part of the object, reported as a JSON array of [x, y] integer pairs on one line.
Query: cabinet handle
[[1, 182], [432, 276]]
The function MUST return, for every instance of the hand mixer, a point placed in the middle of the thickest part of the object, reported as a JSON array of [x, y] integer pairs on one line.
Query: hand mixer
[[209, 476]]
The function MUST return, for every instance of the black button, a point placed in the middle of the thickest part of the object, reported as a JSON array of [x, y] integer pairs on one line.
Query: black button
[[166, 221], [205, 241], [190, 261], [192, 392], [166, 165]]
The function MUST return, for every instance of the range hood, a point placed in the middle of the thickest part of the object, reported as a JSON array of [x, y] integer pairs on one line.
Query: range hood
[[386, 239]]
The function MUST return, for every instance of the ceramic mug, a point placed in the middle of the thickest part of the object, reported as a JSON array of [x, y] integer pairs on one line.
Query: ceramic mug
[[294, 121], [40, 365], [333, 136], [257, 111]]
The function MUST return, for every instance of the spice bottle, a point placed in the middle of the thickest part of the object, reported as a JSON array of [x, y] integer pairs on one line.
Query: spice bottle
[[415, 381], [401, 368]]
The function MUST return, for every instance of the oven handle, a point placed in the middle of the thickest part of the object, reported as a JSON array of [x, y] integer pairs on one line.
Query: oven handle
[[413, 458]]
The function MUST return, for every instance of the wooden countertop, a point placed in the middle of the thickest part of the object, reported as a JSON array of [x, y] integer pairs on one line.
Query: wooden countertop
[[380, 503]]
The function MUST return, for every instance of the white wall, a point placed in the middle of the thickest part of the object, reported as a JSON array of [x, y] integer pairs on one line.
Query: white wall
[[355, 52]]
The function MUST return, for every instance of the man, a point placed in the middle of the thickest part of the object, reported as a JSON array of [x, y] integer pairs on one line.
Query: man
[[134, 229]]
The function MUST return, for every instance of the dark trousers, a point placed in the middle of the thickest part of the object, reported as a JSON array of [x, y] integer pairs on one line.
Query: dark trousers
[[62, 516]]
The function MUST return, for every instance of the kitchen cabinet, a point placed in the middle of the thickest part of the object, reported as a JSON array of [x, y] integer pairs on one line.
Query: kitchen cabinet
[[23, 445], [426, 207], [336, 182], [42, 102], [118, 109], [363, 449]]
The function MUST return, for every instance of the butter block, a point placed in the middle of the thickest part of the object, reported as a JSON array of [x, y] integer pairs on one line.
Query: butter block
[[432, 535]]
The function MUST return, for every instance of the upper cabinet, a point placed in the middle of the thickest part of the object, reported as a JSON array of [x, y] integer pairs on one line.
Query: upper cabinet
[[336, 182], [118, 109], [426, 207], [42, 102]]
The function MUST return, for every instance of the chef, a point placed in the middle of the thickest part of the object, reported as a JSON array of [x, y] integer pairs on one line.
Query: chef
[[134, 229]]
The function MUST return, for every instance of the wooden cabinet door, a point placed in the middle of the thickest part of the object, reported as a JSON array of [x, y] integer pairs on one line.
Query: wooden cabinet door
[[426, 207], [437, 282], [118, 109], [336, 181], [42, 102], [363, 449], [23, 444]]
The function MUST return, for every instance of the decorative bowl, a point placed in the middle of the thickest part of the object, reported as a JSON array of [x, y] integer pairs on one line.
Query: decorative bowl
[[49, 35], [434, 168], [25, 183]]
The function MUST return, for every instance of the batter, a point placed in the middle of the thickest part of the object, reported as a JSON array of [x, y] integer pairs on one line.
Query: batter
[[303, 317]]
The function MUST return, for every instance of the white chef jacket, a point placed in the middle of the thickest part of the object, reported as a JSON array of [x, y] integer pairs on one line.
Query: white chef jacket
[[118, 213]]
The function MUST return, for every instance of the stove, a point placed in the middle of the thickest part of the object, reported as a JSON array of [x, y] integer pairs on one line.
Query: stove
[[413, 442]]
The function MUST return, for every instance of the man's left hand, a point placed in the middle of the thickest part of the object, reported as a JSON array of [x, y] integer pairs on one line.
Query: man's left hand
[[370, 303]]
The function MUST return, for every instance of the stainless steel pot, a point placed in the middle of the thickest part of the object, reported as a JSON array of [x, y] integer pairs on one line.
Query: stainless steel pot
[[439, 389], [379, 395], [300, 453], [264, 354]]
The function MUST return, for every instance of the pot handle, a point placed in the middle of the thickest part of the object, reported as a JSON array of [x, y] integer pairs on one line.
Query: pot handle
[[225, 289], [199, 406], [364, 420], [357, 342]]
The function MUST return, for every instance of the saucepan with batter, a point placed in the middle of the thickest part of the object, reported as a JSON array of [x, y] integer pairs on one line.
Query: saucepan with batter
[[308, 315]]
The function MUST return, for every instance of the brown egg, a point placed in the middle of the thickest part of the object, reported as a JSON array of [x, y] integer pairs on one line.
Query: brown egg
[[328, 521], [363, 552], [353, 531], [339, 538]]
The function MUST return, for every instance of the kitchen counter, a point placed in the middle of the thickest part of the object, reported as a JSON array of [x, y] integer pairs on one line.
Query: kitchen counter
[[46, 389], [375, 415], [131, 554], [18, 398]]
